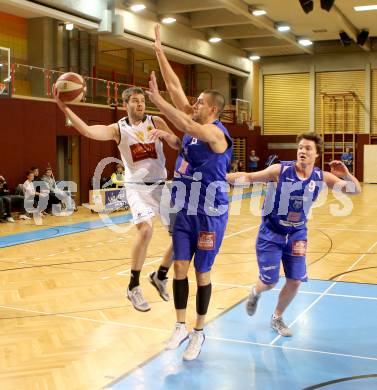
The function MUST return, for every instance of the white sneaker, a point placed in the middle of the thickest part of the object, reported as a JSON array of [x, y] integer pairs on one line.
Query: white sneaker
[[10, 219], [23, 216], [160, 285], [180, 334], [279, 325], [194, 346], [137, 299]]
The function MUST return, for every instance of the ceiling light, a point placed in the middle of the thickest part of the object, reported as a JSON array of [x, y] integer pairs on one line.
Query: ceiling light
[[254, 57], [168, 20], [69, 26], [307, 5], [360, 8], [305, 42], [259, 12], [137, 7], [283, 27], [1, 65], [214, 39]]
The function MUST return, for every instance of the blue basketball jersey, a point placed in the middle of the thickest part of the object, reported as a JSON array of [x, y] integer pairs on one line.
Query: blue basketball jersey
[[202, 172], [288, 201]]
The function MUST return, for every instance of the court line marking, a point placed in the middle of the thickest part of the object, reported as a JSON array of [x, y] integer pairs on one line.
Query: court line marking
[[325, 292], [160, 330], [291, 348]]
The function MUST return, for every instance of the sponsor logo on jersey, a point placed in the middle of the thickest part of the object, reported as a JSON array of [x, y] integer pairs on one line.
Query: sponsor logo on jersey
[[141, 152], [299, 248], [206, 241]]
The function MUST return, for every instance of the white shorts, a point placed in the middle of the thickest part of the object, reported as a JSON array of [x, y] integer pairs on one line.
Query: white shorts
[[147, 201]]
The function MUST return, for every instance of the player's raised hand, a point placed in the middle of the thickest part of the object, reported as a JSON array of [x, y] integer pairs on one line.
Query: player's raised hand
[[55, 93], [153, 93], [157, 41], [338, 168]]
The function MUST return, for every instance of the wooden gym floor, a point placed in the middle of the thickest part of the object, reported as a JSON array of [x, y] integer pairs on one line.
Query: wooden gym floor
[[64, 319]]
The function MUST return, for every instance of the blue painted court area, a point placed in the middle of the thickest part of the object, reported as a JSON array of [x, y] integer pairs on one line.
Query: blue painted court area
[[334, 346]]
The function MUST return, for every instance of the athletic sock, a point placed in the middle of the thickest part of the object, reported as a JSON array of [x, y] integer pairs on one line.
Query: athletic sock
[[162, 272], [134, 281], [203, 296], [180, 293]]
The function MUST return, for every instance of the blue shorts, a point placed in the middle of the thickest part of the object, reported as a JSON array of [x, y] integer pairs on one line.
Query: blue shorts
[[200, 235], [272, 248]]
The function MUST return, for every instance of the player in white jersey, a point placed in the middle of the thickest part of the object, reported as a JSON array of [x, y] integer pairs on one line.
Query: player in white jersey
[[138, 137]]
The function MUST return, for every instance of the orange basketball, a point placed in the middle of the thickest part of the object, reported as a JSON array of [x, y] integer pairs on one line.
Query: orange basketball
[[71, 87]]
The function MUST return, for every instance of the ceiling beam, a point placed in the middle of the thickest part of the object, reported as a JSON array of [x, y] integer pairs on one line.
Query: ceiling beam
[[347, 26], [238, 7], [242, 31], [256, 43], [219, 17], [182, 6]]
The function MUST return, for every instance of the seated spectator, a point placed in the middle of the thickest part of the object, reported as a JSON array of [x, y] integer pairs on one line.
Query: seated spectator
[[33, 197], [234, 166], [240, 166], [347, 159], [118, 176], [253, 161], [8, 201], [49, 179]]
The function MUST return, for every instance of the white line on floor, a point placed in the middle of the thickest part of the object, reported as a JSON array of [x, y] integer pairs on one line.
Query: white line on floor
[[326, 291], [160, 330]]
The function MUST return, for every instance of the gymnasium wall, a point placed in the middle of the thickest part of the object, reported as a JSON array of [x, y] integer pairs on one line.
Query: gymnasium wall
[[29, 129], [13, 34], [336, 72], [29, 139]]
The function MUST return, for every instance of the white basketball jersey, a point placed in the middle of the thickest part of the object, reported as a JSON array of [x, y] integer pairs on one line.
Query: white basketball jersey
[[138, 152]]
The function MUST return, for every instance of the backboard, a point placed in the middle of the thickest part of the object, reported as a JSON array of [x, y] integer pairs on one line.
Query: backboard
[[5, 81]]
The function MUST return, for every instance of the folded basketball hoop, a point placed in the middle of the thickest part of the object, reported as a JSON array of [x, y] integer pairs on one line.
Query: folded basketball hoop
[[250, 125], [2, 88]]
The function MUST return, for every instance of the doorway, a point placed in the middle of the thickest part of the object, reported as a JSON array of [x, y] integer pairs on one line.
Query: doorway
[[68, 161]]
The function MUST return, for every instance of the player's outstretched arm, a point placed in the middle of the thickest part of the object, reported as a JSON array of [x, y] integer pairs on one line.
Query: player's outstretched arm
[[269, 174], [164, 132], [340, 179], [172, 82], [183, 122], [97, 132]]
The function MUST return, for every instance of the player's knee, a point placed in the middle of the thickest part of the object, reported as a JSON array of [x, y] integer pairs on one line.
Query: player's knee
[[180, 269], [293, 283], [145, 232]]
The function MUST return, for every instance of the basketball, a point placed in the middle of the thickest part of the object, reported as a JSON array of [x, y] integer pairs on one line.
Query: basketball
[[71, 87]]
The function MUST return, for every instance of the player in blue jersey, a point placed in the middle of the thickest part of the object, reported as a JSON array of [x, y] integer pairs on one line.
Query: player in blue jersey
[[292, 189], [201, 192]]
